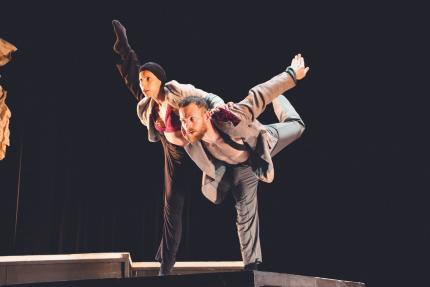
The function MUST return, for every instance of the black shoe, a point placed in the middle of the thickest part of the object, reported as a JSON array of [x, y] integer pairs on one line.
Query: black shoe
[[121, 45], [251, 266]]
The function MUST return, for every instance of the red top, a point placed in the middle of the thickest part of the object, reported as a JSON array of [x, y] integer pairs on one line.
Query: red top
[[171, 122]]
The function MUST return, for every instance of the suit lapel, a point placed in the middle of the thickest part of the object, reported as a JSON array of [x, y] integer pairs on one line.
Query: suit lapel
[[199, 156]]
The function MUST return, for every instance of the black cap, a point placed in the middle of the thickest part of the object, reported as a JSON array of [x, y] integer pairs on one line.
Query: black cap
[[156, 69]]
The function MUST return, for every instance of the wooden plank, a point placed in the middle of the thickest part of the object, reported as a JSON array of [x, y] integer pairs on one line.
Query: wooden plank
[[222, 279], [2, 275], [262, 278], [64, 258], [29, 273], [192, 264], [59, 267], [140, 269]]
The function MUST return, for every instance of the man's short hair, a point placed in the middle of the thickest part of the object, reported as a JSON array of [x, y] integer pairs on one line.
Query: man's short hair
[[198, 101]]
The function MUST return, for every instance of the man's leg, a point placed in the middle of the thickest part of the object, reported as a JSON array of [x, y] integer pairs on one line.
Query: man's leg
[[174, 198], [245, 195], [290, 126]]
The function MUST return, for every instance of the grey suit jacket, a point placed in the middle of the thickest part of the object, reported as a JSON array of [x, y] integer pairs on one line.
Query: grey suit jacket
[[129, 70], [239, 120]]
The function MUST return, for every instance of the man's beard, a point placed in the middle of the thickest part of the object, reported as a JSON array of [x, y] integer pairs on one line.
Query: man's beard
[[196, 135]]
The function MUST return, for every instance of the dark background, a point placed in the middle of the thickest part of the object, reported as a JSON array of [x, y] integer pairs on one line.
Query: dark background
[[349, 198]]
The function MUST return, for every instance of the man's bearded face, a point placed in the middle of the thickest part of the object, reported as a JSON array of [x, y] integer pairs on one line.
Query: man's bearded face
[[194, 122]]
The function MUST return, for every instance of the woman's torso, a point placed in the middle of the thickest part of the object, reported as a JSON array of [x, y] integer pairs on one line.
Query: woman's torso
[[166, 122]]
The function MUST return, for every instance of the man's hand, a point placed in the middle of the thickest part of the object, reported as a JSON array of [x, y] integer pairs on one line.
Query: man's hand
[[121, 45], [298, 65], [226, 106]]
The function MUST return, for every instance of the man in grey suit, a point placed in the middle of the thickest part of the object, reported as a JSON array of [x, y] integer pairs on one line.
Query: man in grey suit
[[234, 150]]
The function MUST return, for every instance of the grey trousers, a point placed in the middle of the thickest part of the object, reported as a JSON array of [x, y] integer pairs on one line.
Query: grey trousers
[[245, 182], [244, 192], [290, 126]]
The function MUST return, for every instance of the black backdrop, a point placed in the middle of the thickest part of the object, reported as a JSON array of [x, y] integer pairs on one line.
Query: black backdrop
[[348, 200]]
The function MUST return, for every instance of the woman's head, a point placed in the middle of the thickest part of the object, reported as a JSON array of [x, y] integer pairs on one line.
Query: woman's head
[[151, 78]]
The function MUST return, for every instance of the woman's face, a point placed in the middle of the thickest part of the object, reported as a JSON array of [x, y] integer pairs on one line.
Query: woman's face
[[149, 84]]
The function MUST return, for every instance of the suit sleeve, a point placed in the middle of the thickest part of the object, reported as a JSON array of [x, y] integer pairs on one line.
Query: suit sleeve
[[186, 90], [213, 100]]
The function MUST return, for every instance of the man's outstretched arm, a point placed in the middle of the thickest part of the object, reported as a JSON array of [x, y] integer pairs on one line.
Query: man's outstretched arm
[[263, 94], [129, 66]]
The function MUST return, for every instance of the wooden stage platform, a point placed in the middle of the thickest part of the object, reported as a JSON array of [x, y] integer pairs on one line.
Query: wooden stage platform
[[117, 269]]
